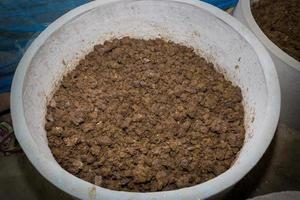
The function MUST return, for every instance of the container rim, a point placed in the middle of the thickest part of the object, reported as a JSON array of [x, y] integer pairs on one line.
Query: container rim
[[246, 10], [85, 190]]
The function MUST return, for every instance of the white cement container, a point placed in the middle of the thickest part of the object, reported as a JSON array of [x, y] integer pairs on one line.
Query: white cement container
[[287, 67], [215, 34]]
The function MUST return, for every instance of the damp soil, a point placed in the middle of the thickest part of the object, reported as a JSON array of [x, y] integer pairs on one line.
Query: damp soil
[[145, 115], [280, 21]]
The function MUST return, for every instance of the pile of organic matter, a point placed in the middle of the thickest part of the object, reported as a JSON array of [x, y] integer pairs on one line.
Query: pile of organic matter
[[280, 21], [145, 115]]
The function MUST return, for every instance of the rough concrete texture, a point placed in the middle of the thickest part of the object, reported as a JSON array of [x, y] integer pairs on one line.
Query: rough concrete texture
[[278, 170], [289, 195]]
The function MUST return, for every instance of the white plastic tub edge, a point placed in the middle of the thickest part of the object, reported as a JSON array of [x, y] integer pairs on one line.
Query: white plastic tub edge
[[288, 68], [43, 162]]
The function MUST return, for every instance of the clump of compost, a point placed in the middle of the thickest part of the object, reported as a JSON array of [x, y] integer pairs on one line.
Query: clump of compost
[[145, 115], [280, 21]]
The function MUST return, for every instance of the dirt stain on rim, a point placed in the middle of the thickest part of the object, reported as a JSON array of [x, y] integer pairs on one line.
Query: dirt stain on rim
[[92, 193]]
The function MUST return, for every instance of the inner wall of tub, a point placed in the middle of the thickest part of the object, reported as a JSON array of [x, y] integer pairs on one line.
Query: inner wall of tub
[[187, 25]]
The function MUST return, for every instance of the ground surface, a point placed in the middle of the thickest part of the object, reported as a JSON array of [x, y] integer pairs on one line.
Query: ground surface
[[277, 171]]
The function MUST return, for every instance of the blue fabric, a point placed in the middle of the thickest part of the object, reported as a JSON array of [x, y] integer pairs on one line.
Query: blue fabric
[[223, 4], [22, 20]]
